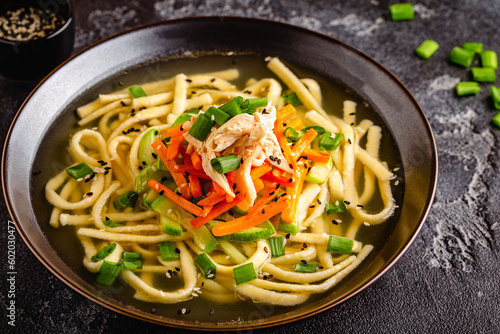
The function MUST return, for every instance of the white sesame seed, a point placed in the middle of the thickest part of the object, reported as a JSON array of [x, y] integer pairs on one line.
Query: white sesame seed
[[396, 183], [366, 224]]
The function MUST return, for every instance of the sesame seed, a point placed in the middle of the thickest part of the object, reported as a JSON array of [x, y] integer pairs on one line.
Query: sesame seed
[[349, 140], [304, 245], [162, 192], [177, 250], [319, 201], [153, 310], [189, 80], [266, 250], [288, 236], [211, 312], [303, 261], [263, 211], [347, 202], [177, 269], [90, 193]]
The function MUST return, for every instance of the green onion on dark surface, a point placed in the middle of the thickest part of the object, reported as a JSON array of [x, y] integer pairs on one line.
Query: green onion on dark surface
[[201, 127], [476, 47], [137, 91], [125, 201], [108, 273], [79, 171], [105, 251], [218, 116], [427, 49], [496, 120], [335, 207], [495, 95], [291, 135], [467, 88], [277, 245], [489, 59], [483, 74], [292, 98], [329, 143], [244, 273], [401, 12], [461, 56], [206, 265], [232, 107], [339, 245], [225, 163], [301, 267], [319, 129], [167, 251]]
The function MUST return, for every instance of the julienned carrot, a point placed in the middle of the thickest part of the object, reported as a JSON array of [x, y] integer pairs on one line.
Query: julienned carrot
[[179, 178], [218, 189], [212, 199], [174, 147], [285, 113], [195, 186], [196, 160], [216, 211], [295, 124], [287, 151], [258, 184], [207, 209], [288, 215], [248, 221], [182, 202], [261, 170], [174, 131], [183, 169], [186, 158], [317, 156], [303, 142], [263, 200], [279, 177]]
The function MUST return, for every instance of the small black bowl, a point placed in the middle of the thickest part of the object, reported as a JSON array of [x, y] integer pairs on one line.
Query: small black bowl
[[35, 58]]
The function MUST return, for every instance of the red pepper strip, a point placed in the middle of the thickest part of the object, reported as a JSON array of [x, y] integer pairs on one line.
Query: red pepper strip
[[182, 202], [174, 147], [317, 156], [195, 186], [257, 172], [196, 159], [248, 221], [259, 205], [276, 176], [179, 178], [174, 131], [216, 211], [285, 113], [212, 199], [186, 157]]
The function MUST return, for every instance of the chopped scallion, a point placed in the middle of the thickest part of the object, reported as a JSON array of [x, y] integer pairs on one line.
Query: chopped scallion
[[105, 251], [181, 119], [467, 88], [291, 135], [476, 47], [244, 273], [225, 163], [496, 120], [111, 223], [319, 129], [131, 260], [401, 12], [495, 95], [232, 107], [292, 99], [489, 59], [277, 246], [483, 74], [125, 201], [206, 265], [301, 267], [167, 251], [131, 256], [220, 117], [79, 171], [201, 127], [427, 49], [251, 105], [329, 143], [461, 56], [108, 273], [335, 207], [137, 91], [339, 245]]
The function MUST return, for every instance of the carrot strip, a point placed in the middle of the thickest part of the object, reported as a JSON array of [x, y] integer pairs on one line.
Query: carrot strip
[[276, 176], [216, 211], [288, 215], [295, 124], [195, 186], [191, 171], [196, 160], [285, 113], [263, 200], [186, 157], [212, 199], [246, 222], [206, 210], [174, 147], [303, 142], [258, 184], [218, 189], [174, 131], [315, 155], [261, 170], [182, 202], [287, 151]]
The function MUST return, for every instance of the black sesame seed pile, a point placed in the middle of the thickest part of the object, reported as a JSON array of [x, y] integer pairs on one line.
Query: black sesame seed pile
[[30, 23]]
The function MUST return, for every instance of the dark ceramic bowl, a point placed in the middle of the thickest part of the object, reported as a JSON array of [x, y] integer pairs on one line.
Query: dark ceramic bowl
[[35, 58], [48, 116]]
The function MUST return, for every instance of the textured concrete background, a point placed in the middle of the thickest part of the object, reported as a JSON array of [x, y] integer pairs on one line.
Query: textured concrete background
[[449, 279]]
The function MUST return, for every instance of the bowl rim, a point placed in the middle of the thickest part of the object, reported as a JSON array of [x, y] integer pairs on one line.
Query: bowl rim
[[191, 326]]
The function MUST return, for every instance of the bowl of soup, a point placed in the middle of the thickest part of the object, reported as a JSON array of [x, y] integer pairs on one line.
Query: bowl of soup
[[332, 172]]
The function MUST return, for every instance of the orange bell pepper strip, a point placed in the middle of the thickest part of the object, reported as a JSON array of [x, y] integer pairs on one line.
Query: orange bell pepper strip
[[295, 124], [317, 156], [288, 215], [180, 201], [248, 221], [285, 113], [216, 211], [196, 160]]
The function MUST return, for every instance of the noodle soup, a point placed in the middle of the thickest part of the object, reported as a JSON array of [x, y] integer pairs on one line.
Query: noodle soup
[[137, 230]]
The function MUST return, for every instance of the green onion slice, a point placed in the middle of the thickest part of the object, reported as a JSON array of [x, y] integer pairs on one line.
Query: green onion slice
[[292, 98], [467, 88], [251, 105], [137, 91], [483, 74], [131, 256], [233, 106], [476, 47], [167, 251], [131, 260], [496, 120], [125, 201], [489, 59], [108, 273], [339, 245], [108, 222], [319, 129], [105, 251], [495, 95], [291, 135], [461, 56], [427, 49], [182, 118], [329, 141], [79, 171], [206, 265], [225, 163], [401, 12], [277, 246], [335, 207], [301, 267], [201, 127], [215, 114], [244, 273]]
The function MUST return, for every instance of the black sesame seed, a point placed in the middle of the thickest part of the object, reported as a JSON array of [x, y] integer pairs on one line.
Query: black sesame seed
[[182, 127], [271, 193], [177, 269], [270, 276], [304, 245], [162, 192], [163, 179], [277, 186], [143, 163], [177, 250], [312, 206], [211, 312], [189, 80], [156, 133], [236, 193], [176, 273], [335, 222], [169, 272], [153, 310], [106, 172], [231, 213], [303, 261], [234, 186], [319, 201], [319, 267], [122, 103], [264, 277], [188, 310], [349, 140], [305, 166], [100, 161], [241, 161], [266, 250], [359, 206], [290, 165], [202, 284], [90, 193], [290, 180], [352, 124], [347, 202], [263, 211], [288, 236], [179, 311], [125, 133], [212, 80], [154, 155], [140, 167]]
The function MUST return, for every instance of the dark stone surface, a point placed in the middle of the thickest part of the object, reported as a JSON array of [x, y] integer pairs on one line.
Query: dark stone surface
[[448, 282]]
